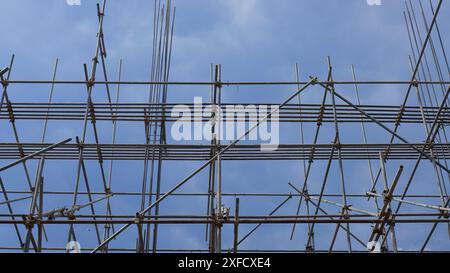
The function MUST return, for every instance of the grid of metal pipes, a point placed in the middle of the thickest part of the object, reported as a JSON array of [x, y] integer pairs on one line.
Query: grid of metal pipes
[[382, 208]]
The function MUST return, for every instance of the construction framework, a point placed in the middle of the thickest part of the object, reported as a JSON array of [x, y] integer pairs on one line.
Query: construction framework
[[382, 208]]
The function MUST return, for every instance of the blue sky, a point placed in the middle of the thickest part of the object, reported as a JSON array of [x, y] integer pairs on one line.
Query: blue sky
[[253, 40]]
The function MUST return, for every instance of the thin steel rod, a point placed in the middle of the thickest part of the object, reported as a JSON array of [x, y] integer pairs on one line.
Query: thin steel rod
[[25, 158]]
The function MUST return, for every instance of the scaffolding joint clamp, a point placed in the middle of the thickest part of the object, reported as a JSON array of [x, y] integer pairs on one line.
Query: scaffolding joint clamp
[[337, 144], [398, 120], [51, 216], [9, 107], [430, 145], [90, 83], [445, 214], [100, 155], [386, 215], [309, 249], [138, 219], [321, 114], [387, 197], [224, 213], [373, 191], [29, 221], [391, 222], [345, 211], [306, 195], [80, 145], [21, 152], [311, 157], [4, 81]]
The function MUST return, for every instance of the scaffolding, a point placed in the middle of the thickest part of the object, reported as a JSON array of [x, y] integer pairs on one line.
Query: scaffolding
[[370, 217]]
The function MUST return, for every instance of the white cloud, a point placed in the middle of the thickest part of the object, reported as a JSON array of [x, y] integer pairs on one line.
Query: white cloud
[[246, 13]]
